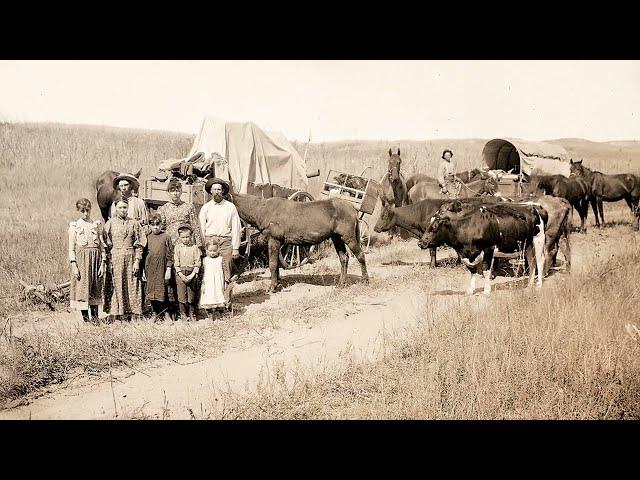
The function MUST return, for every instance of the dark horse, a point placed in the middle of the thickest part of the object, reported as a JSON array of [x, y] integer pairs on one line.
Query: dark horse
[[424, 190], [574, 189], [284, 221], [610, 188], [465, 177], [105, 194], [394, 190]]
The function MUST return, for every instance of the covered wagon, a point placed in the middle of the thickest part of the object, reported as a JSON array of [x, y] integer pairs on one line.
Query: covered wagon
[[252, 160], [517, 160]]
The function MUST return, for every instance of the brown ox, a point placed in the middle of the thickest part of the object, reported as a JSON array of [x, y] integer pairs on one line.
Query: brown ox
[[284, 221]]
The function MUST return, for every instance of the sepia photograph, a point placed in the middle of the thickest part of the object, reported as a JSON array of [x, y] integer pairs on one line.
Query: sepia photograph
[[319, 239]]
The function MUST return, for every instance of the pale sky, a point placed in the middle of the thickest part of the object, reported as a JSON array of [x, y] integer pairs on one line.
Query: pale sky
[[375, 100]]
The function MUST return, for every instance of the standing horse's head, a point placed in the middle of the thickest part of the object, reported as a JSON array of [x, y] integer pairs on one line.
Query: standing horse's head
[[576, 168], [393, 166]]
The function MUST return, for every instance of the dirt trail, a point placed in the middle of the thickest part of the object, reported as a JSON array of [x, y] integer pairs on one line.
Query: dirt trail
[[352, 323]]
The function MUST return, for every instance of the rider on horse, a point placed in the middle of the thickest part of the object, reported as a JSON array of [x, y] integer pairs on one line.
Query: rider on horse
[[449, 184]]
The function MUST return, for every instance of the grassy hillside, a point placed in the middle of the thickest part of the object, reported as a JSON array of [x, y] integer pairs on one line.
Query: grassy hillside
[[608, 157], [44, 168]]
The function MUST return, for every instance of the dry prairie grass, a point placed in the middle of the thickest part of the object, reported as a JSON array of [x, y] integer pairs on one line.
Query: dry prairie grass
[[563, 354], [44, 168]]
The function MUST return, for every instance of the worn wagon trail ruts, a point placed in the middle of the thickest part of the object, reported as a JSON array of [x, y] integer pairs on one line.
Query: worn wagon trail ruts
[[356, 321], [284, 221]]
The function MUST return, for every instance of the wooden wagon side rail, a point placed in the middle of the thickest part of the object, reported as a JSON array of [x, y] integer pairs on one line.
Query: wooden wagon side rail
[[343, 188]]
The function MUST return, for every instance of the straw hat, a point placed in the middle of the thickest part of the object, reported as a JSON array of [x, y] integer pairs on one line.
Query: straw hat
[[128, 177], [212, 181]]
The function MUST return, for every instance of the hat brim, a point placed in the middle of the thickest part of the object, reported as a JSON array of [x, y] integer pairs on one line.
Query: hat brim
[[212, 181], [128, 178]]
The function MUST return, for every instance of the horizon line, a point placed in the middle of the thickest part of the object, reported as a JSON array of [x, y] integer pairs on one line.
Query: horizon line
[[341, 140]]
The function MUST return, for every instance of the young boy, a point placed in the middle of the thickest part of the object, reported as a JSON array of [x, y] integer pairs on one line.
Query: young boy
[[186, 262], [157, 267]]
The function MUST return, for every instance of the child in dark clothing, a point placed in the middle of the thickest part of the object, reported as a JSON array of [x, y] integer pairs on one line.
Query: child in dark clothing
[[186, 261], [157, 267]]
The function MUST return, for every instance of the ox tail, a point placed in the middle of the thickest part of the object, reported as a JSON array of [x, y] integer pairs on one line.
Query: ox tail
[[540, 248]]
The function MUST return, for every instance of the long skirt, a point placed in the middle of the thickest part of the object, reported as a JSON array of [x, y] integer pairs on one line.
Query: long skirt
[[155, 268], [88, 290], [124, 295]]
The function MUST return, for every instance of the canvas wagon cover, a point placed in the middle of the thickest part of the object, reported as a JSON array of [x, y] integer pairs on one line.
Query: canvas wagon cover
[[535, 158], [246, 153]]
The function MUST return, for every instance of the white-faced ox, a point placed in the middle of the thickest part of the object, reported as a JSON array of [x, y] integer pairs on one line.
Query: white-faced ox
[[477, 232]]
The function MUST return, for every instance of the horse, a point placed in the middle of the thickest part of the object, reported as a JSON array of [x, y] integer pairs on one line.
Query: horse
[[394, 189], [573, 189], [610, 188], [283, 221], [465, 177], [106, 194], [421, 191]]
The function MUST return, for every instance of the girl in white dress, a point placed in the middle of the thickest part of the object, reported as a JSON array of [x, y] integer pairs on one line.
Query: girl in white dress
[[213, 284]]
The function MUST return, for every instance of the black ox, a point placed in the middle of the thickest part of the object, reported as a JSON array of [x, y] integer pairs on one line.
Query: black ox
[[478, 231]]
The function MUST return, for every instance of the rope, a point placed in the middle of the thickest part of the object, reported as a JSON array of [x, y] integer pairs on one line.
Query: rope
[[472, 191]]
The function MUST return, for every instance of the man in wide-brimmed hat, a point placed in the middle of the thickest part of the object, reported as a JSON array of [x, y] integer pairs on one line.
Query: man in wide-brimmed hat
[[125, 183], [447, 175], [219, 221]]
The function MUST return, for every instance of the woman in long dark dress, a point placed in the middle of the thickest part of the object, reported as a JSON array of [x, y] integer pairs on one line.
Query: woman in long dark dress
[[157, 267]]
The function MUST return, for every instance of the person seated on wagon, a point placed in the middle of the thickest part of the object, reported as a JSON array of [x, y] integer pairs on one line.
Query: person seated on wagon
[[447, 175], [125, 183]]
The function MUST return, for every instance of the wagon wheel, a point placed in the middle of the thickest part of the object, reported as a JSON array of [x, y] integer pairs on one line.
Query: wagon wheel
[[294, 256], [301, 196], [365, 235]]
